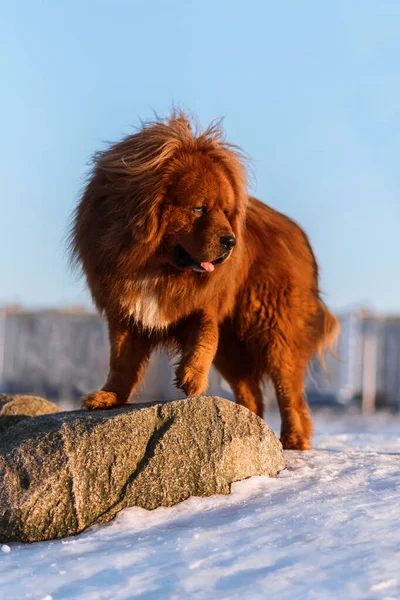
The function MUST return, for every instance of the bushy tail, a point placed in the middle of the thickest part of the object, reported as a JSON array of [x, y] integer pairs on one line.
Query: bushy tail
[[329, 329]]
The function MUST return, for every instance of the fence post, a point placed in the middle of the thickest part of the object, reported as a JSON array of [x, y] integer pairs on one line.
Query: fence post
[[369, 374]]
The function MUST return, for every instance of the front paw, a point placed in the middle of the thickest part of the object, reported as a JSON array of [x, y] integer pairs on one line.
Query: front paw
[[101, 399], [191, 381]]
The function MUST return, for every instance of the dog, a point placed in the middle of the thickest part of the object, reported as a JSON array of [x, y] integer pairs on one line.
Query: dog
[[177, 254]]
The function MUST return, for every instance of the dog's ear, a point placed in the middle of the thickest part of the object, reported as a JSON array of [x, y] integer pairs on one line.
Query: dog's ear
[[145, 223], [136, 178]]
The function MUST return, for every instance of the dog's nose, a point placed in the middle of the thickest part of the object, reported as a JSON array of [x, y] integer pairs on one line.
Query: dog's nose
[[228, 241]]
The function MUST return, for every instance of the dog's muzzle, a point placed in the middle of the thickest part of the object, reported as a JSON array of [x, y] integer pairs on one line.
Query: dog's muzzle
[[183, 260]]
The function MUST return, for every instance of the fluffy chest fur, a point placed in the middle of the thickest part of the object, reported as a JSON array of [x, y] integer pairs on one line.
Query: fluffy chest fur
[[143, 303], [158, 302]]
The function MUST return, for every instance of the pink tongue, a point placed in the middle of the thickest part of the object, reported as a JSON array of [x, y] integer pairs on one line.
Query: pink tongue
[[207, 266]]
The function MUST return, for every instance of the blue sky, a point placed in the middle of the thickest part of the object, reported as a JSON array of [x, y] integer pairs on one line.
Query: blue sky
[[311, 90]]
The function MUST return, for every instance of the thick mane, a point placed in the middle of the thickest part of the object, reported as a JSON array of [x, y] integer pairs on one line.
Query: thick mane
[[124, 196], [157, 142]]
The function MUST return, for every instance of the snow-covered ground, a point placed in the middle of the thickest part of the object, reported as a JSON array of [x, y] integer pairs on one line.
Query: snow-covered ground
[[328, 527]]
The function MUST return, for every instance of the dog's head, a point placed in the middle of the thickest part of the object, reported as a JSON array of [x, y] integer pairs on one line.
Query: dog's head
[[202, 213], [168, 196]]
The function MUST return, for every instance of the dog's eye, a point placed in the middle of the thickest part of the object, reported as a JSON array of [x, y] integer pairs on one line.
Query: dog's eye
[[199, 211], [226, 212]]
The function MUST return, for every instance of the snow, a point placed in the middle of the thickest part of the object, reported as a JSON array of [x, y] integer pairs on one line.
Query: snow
[[326, 528]]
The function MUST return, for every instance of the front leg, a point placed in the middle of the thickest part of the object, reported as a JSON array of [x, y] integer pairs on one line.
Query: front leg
[[129, 352], [198, 339]]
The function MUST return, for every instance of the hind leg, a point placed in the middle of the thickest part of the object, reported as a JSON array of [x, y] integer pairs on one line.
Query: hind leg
[[234, 365], [248, 393], [245, 387], [296, 428]]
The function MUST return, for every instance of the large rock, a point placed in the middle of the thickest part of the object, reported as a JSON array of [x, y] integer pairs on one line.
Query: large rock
[[15, 408], [63, 472]]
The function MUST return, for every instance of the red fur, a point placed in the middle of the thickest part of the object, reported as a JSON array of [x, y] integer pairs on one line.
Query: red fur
[[258, 313]]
